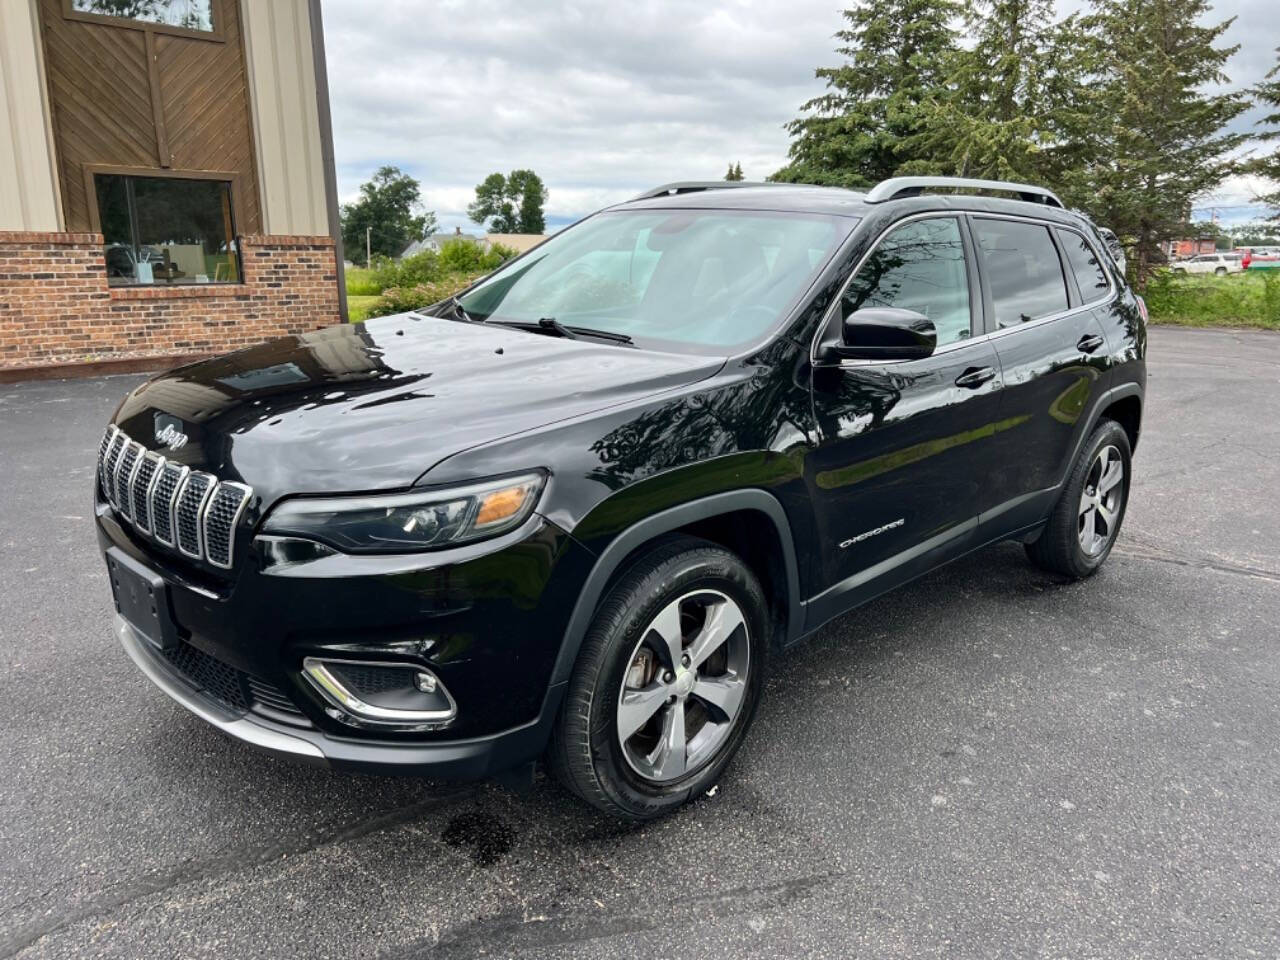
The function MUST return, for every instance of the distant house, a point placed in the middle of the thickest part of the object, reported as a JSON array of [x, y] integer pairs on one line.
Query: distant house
[[438, 240], [519, 242], [1189, 247]]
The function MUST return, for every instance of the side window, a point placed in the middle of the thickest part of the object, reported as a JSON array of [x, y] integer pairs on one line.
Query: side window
[[1090, 277], [1022, 268], [919, 266]]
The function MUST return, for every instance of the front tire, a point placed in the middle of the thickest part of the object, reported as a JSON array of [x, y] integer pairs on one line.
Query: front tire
[[1083, 527], [666, 683]]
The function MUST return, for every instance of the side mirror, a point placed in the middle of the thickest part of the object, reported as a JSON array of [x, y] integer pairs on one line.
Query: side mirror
[[885, 333]]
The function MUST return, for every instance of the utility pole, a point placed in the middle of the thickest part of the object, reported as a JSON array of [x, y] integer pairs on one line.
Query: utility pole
[[368, 256]]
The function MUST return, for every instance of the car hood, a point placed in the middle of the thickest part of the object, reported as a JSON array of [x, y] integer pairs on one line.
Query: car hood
[[375, 405]]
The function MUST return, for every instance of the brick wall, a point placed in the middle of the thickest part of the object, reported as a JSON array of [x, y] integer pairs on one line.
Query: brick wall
[[56, 307]]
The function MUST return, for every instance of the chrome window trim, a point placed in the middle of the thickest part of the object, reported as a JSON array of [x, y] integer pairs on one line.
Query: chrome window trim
[[958, 344], [246, 493]]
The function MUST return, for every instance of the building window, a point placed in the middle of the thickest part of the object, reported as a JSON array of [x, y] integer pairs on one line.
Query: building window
[[185, 14], [166, 230]]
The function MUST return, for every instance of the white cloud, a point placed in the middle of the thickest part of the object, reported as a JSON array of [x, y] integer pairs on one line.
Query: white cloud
[[602, 101]]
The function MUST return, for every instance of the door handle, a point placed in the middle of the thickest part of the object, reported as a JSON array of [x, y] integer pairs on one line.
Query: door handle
[[975, 377], [1089, 343]]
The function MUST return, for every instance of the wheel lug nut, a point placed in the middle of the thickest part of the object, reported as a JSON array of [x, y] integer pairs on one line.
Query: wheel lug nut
[[684, 661], [668, 677], [671, 699]]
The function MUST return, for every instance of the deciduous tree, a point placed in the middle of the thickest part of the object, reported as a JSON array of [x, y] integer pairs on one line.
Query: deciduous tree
[[390, 207], [511, 204]]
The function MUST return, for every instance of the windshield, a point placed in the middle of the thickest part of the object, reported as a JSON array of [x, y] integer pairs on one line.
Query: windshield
[[698, 279]]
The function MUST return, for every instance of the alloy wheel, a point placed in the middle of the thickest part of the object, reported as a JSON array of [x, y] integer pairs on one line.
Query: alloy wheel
[[684, 686], [1101, 501]]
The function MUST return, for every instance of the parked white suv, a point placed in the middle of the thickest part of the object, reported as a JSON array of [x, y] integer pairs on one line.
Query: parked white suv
[[1217, 263]]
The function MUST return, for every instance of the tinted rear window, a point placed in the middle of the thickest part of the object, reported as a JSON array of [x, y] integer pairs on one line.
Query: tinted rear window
[[1090, 277], [1022, 269]]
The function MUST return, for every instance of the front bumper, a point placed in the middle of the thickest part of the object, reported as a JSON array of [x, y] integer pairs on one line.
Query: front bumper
[[487, 620], [457, 759]]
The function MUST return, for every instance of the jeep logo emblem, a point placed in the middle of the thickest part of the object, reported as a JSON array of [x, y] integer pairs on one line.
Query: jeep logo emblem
[[169, 432]]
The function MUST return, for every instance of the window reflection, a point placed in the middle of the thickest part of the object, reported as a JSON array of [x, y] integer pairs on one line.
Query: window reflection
[[166, 230], [188, 14], [919, 266], [1090, 277], [1023, 268]]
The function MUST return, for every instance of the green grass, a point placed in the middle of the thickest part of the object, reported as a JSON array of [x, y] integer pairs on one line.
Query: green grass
[[360, 283], [1249, 299], [358, 307]]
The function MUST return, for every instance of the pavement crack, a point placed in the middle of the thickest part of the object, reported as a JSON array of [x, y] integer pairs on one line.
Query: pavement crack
[[515, 932], [1161, 555], [212, 868]]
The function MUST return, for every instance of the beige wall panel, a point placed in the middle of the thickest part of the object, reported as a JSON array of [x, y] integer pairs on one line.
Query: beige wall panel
[[28, 190], [286, 117]]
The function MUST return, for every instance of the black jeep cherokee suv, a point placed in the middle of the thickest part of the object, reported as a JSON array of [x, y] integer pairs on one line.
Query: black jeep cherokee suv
[[573, 511]]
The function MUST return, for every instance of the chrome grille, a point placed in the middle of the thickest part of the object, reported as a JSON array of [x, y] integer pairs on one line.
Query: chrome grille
[[124, 477], [179, 507], [165, 492], [145, 473], [118, 442], [186, 515], [220, 517]]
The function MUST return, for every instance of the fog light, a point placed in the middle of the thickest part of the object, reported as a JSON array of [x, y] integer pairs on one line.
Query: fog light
[[366, 693]]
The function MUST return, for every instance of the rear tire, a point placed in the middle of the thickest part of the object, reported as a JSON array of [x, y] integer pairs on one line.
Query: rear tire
[[679, 644], [1085, 522], [1220, 272]]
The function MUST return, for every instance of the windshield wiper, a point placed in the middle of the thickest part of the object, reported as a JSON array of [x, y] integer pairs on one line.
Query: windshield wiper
[[460, 312], [552, 325]]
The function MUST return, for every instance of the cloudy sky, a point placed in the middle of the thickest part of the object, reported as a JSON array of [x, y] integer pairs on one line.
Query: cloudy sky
[[603, 104]]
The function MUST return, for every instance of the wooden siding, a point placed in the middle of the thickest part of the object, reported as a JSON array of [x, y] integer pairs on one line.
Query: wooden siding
[[123, 95]]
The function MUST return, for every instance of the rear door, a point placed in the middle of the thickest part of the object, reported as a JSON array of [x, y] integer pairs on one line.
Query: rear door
[[895, 476], [1043, 285]]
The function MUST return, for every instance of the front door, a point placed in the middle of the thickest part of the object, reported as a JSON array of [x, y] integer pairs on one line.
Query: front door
[[904, 445]]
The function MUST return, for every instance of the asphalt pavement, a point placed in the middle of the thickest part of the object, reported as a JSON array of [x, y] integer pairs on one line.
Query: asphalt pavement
[[987, 763]]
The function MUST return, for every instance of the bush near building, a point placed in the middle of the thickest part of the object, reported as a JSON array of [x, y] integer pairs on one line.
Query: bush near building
[[390, 286]]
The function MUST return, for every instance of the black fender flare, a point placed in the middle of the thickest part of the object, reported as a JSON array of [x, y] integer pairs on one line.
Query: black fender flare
[[1120, 392], [673, 518]]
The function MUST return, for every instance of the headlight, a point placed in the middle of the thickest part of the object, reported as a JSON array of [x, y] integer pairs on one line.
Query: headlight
[[410, 521]]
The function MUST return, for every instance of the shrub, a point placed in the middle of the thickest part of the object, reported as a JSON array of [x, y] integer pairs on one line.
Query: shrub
[[1250, 299], [466, 257], [404, 299]]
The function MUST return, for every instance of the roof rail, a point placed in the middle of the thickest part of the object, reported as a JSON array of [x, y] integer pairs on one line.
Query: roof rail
[[695, 186], [896, 187]]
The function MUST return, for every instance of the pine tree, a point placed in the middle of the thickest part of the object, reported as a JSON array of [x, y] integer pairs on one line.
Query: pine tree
[[1268, 92], [735, 173], [1159, 139], [997, 114], [856, 133]]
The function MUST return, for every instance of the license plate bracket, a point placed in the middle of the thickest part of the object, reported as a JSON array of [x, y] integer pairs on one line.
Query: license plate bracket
[[142, 599]]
